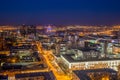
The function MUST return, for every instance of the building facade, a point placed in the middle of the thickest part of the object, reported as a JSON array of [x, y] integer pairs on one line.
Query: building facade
[[93, 64]]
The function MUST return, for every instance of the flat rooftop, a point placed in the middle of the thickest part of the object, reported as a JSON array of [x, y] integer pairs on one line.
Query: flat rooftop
[[23, 57], [95, 70], [83, 74], [44, 75], [30, 76], [70, 59]]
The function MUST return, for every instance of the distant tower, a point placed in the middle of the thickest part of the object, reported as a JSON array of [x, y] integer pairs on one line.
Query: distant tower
[[104, 46], [31, 29], [49, 29], [23, 30]]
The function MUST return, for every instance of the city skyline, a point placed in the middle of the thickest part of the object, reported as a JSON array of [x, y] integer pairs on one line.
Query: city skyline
[[68, 12]]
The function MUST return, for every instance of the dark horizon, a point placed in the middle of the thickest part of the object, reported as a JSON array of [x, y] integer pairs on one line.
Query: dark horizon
[[62, 12]]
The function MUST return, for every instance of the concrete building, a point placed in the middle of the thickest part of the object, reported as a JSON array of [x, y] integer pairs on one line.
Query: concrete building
[[95, 74], [71, 63], [30, 76], [61, 48], [35, 76]]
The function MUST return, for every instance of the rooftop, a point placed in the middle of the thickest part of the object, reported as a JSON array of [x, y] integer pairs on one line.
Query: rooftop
[[46, 75], [69, 58], [82, 74], [95, 70]]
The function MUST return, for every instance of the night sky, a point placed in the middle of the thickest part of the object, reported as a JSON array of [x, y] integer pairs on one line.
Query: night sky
[[60, 12]]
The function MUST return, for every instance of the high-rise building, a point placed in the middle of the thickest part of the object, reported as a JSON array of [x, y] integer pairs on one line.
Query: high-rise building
[[26, 30]]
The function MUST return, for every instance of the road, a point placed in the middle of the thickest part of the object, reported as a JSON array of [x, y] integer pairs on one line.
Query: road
[[52, 67]]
